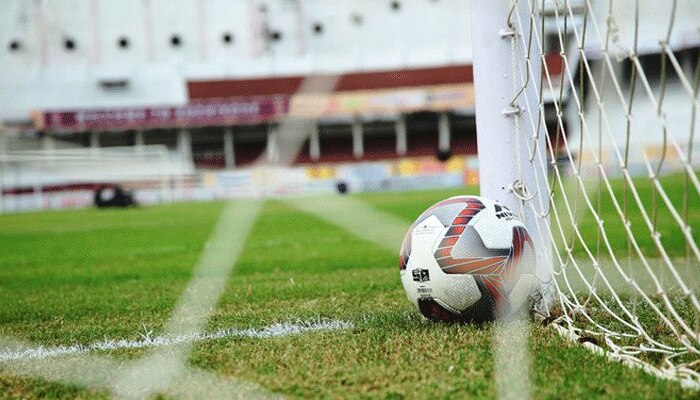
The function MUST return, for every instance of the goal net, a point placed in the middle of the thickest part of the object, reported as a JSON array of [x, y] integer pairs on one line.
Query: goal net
[[617, 100]]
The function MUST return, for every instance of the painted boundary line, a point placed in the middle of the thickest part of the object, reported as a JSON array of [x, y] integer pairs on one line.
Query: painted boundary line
[[161, 371], [270, 331]]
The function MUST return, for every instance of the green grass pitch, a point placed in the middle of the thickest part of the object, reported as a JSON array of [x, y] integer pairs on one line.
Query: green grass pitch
[[82, 276]]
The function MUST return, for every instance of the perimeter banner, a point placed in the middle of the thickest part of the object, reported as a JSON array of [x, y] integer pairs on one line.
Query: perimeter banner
[[258, 109], [246, 110], [383, 101]]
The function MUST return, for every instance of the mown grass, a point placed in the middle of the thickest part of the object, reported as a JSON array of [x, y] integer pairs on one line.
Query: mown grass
[[660, 221], [648, 216], [80, 276]]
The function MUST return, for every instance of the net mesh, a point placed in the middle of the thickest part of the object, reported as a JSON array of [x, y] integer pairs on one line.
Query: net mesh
[[620, 167]]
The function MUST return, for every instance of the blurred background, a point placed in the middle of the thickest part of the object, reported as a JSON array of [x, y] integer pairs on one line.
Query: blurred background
[[176, 99]]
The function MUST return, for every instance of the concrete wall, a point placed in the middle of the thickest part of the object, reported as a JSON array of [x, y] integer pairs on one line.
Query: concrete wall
[[55, 53]]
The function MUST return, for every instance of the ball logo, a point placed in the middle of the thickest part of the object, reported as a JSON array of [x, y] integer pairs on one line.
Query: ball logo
[[502, 212], [421, 275]]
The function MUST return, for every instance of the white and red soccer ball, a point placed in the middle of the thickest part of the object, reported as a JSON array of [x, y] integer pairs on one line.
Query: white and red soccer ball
[[467, 259]]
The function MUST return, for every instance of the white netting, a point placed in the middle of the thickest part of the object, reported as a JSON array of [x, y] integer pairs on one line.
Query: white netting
[[620, 103]]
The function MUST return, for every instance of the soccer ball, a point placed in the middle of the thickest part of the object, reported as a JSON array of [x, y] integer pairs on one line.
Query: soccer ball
[[467, 259]]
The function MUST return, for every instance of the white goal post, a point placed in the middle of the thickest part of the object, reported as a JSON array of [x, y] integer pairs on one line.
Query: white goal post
[[599, 158], [505, 175]]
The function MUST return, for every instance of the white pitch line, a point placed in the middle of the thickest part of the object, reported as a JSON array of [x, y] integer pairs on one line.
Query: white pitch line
[[166, 371], [356, 217], [511, 358], [157, 371], [270, 331], [97, 373]]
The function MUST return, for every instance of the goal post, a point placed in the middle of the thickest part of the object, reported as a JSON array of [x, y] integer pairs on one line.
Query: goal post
[[505, 147], [505, 142], [587, 113]]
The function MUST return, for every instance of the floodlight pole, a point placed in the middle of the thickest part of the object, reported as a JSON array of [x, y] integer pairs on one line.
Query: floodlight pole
[[444, 132], [503, 165], [358, 148], [401, 135], [229, 153], [315, 143]]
